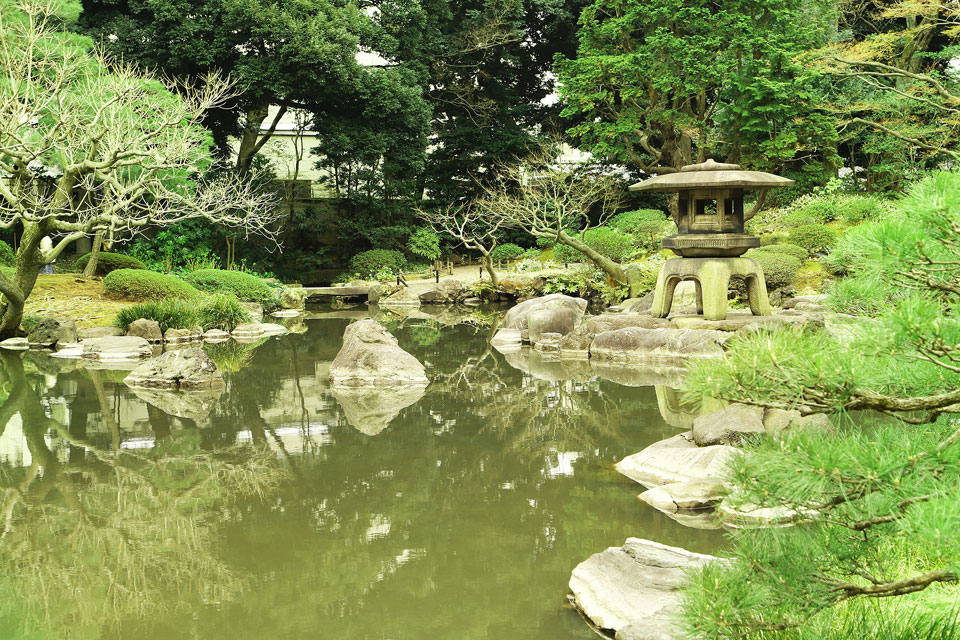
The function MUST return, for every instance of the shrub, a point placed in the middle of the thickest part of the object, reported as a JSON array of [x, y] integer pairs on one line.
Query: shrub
[[221, 311], [794, 250], [647, 226], [139, 284], [817, 212], [245, 286], [424, 242], [815, 238], [546, 243], [366, 264], [7, 257], [30, 320], [858, 208], [614, 244], [108, 262], [169, 313], [531, 254], [508, 251], [779, 269]]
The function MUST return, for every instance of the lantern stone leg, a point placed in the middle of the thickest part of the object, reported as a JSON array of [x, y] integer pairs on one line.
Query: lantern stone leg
[[712, 276]]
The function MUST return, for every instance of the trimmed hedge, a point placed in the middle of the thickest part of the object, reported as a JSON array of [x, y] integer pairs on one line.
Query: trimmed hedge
[[244, 286], [794, 250], [108, 262], [614, 244], [815, 238], [508, 251], [7, 256], [140, 284], [367, 264], [779, 269]]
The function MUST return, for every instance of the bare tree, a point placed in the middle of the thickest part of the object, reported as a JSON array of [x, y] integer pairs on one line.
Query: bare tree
[[472, 226], [91, 146], [547, 200]]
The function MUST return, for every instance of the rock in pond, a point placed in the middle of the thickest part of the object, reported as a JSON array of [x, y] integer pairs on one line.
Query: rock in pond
[[254, 309], [49, 331], [731, 425], [563, 313], [215, 335], [638, 344], [293, 298], [372, 412], [371, 356], [98, 332], [180, 336], [678, 459], [685, 496], [15, 344], [449, 291], [183, 369], [116, 348], [633, 590], [402, 298], [149, 330]]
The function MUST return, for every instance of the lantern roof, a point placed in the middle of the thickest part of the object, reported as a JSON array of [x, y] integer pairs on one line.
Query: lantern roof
[[712, 175]]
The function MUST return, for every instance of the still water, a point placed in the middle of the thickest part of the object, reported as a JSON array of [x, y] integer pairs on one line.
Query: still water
[[281, 509]]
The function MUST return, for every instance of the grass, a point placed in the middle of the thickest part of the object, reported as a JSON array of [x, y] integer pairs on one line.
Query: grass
[[811, 278], [70, 295]]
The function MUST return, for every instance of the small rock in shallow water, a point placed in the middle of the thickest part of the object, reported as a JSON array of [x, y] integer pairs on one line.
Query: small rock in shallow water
[[182, 369]]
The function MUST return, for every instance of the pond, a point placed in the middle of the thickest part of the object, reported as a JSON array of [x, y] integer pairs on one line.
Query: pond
[[281, 509]]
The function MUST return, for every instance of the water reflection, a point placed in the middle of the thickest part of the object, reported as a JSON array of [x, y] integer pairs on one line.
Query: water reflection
[[269, 511], [92, 534]]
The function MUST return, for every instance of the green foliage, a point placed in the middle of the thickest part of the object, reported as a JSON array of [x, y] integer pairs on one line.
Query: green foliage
[[30, 320], [367, 264], [794, 250], [169, 313], [139, 284], [612, 243], [107, 262], [176, 246], [424, 242], [585, 282], [245, 286], [779, 269], [7, 257], [815, 238], [647, 226], [856, 209], [222, 311], [507, 251]]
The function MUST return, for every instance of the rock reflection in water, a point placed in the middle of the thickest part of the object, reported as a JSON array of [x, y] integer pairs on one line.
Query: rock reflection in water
[[370, 410]]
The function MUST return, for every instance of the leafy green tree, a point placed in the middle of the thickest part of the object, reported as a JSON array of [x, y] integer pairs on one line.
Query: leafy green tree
[[425, 242], [284, 55], [91, 147], [670, 82], [875, 509]]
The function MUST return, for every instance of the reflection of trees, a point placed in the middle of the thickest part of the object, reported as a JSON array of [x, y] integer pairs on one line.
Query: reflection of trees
[[101, 535]]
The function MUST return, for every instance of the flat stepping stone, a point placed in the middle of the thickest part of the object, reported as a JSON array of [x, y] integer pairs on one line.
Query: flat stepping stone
[[634, 586], [685, 496], [678, 459], [116, 348], [216, 335]]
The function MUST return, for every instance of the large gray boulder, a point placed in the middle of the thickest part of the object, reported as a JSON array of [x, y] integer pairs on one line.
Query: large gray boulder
[[519, 315], [371, 356], [731, 425], [685, 496], [149, 330], [635, 587], [678, 459], [293, 298], [560, 321], [116, 348], [184, 369], [50, 331], [635, 343], [449, 291], [776, 421], [576, 344]]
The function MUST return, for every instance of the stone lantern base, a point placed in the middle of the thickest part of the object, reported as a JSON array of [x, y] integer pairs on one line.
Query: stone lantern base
[[712, 276]]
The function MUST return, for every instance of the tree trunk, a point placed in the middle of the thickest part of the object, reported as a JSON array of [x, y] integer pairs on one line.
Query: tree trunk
[[629, 277], [91, 269], [249, 137], [488, 265], [16, 291]]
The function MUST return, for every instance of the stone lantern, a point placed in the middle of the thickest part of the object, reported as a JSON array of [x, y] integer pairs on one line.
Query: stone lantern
[[710, 238]]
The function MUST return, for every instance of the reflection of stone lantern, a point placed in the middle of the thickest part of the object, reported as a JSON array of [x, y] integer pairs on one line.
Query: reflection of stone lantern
[[710, 236]]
